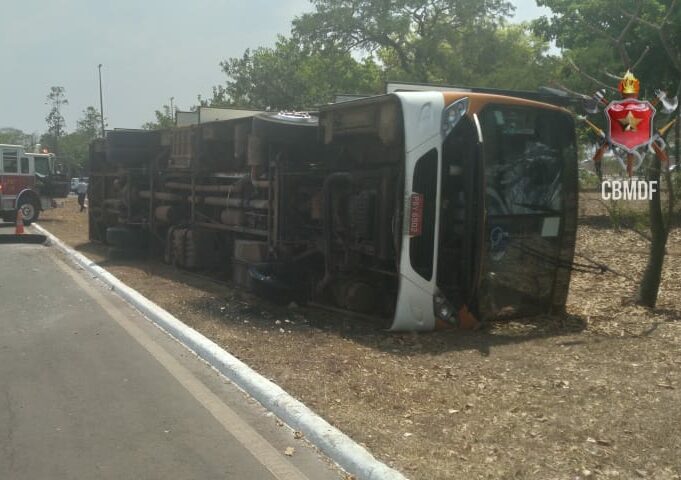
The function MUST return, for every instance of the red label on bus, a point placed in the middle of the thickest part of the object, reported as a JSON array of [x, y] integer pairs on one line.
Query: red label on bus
[[416, 217]]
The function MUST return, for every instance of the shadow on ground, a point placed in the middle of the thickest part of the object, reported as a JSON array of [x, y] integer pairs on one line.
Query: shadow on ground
[[229, 304]]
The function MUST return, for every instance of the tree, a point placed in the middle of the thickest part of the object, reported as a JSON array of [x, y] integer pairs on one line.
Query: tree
[[417, 40], [605, 36], [510, 57], [55, 120], [353, 46], [14, 136], [609, 36], [74, 147], [164, 119], [90, 125], [291, 75]]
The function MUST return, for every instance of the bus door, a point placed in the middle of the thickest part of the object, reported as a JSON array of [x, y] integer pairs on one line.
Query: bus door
[[462, 218]]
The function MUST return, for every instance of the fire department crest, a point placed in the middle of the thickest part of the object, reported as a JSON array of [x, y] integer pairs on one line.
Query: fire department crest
[[630, 123], [630, 132]]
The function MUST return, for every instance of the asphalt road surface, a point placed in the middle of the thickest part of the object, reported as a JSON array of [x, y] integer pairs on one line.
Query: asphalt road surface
[[89, 389]]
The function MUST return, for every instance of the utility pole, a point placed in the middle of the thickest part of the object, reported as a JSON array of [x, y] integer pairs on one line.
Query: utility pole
[[101, 101], [172, 109]]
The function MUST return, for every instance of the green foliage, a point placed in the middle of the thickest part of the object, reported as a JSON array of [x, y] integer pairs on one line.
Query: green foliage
[[463, 42], [587, 30], [588, 180], [164, 119], [509, 57], [14, 136], [90, 125], [73, 149], [56, 124], [48, 141], [74, 146], [291, 75], [417, 40]]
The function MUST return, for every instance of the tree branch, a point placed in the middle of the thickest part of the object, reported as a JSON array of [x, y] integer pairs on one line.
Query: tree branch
[[589, 77], [404, 60], [640, 20], [664, 38], [619, 41], [577, 94], [671, 52], [641, 57]]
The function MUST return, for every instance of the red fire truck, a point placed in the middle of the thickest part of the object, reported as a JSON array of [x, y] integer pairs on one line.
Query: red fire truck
[[28, 182]]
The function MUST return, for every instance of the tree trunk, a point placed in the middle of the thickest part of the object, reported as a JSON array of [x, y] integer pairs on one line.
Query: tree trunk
[[650, 283], [677, 140]]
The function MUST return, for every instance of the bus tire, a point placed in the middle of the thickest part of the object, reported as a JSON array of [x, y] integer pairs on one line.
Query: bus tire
[[29, 210]]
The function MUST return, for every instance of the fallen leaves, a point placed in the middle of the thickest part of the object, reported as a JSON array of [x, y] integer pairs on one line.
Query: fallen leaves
[[599, 441], [533, 389]]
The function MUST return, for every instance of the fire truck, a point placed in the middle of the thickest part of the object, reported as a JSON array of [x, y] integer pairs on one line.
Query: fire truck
[[29, 183], [423, 209]]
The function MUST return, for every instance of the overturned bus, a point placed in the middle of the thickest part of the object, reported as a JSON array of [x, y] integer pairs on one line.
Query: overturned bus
[[424, 209]]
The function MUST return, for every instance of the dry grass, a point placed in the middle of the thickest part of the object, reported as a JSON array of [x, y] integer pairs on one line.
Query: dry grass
[[594, 395]]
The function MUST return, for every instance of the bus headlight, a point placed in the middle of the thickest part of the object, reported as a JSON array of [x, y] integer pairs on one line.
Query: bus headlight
[[452, 114], [443, 309]]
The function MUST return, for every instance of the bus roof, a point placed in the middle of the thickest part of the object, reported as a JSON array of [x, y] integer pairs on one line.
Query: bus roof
[[479, 100]]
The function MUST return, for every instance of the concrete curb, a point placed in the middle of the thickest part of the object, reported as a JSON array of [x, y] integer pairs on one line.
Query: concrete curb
[[339, 447]]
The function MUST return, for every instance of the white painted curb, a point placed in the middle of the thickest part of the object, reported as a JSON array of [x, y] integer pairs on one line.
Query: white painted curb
[[339, 447]]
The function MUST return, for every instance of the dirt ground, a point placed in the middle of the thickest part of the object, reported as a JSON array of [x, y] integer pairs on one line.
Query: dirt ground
[[594, 394]]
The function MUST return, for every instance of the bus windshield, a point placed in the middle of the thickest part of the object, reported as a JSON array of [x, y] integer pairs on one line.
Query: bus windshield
[[529, 157], [524, 159]]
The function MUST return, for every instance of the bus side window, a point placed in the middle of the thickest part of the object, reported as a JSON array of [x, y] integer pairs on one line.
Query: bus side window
[[24, 165], [422, 247]]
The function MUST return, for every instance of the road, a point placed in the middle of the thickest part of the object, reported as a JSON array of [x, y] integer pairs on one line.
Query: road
[[90, 389]]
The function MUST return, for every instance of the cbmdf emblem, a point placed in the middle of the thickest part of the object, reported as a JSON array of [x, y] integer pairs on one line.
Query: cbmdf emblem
[[630, 123]]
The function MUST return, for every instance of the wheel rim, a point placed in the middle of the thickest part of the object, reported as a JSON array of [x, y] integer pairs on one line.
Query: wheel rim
[[27, 211]]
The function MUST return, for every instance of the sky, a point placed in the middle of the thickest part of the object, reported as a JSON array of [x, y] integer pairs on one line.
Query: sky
[[150, 51]]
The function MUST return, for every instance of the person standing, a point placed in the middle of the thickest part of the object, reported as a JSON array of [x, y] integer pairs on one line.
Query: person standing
[[81, 190]]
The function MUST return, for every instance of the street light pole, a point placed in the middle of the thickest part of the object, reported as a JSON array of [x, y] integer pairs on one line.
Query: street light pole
[[101, 101]]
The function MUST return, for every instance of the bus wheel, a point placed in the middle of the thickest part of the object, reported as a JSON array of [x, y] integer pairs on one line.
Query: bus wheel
[[29, 210]]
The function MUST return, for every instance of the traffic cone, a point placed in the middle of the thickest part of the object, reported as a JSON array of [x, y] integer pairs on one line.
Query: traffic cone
[[19, 230]]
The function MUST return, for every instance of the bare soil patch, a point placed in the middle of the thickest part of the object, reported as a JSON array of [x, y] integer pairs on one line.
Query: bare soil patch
[[595, 394]]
